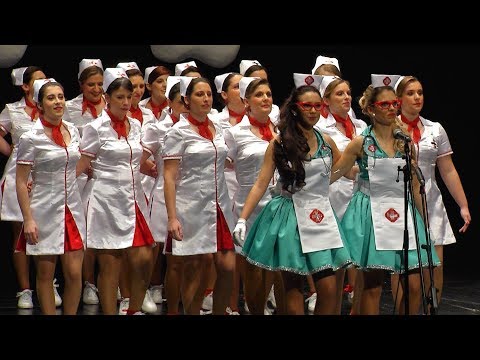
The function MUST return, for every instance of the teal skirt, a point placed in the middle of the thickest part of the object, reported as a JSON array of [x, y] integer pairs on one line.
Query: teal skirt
[[273, 243], [358, 229]]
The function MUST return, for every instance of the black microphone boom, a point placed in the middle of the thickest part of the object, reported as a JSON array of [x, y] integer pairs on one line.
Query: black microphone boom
[[419, 174], [400, 135]]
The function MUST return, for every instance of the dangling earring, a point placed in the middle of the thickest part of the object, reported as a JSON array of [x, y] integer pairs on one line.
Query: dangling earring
[[294, 113], [373, 114]]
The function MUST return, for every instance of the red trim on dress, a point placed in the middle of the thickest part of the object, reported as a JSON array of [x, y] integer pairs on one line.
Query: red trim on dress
[[143, 235], [21, 243], [73, 239], [224, 236]]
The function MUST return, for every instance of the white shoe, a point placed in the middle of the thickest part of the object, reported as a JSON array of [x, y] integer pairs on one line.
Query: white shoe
[[123, 307], [148, 305], [90, 296], [156, 293], [230, 312], [350, 297], [311, 302], [245, 307], [25, 299], [271, 299], [267, 311], [119, 294], [58, 299], [207, 304]]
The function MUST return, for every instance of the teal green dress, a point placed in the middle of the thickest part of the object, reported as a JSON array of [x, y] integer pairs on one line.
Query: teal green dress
[[358, 228], [273, 242]]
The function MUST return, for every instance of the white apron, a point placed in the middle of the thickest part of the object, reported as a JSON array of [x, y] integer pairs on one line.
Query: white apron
[[387, 204], [317, 225]]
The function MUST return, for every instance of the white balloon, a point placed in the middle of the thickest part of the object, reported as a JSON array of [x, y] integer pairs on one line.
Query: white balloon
[[217, 56], [11, 54]]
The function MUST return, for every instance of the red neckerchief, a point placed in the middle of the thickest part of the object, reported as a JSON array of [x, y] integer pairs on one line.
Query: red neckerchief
[[324, 110], [56, 133], [33, 107], [264, 128], [156, 109], [137, 113], [347, 124], [174, 118], [238, 117], [203, 129], [118, 125], [87, 104], [413, 126]]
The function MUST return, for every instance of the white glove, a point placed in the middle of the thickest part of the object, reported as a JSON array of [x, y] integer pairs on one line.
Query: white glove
[[239, 232]]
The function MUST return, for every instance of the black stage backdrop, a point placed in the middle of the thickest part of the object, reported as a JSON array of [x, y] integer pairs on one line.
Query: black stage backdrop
[[447, 71]]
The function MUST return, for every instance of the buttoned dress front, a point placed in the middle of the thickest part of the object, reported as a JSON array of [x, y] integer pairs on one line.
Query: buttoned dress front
[[200, 186], [247, 151], [54, 187], [116, 185], [433, 145]]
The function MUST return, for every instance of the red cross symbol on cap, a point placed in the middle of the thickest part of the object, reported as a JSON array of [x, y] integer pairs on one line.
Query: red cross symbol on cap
[[372, 148], [392, 215], [309, 80], [316, 216], [387, 81]]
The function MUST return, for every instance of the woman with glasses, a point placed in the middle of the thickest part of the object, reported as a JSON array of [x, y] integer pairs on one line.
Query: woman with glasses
[[433, 150], [337, 100], [374, 220], [297, 231]]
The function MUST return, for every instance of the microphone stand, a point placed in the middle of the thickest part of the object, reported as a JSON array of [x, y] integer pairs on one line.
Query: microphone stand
[[409, 199], [432, 298]]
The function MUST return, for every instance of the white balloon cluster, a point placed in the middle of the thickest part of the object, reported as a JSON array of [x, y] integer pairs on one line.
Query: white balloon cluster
[[214, 55], [11, 54]]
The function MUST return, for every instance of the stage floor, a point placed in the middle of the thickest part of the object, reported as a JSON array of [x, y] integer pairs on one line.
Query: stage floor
[[461, 297]]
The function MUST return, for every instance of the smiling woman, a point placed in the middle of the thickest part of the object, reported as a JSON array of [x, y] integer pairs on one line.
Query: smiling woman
[[54, 224]]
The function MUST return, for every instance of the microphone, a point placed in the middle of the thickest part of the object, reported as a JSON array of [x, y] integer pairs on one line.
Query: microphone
[[400, 135], [419, 174]]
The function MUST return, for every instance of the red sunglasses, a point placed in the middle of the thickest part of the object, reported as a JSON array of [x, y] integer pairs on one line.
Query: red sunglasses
[[307, 106], [386, 104]]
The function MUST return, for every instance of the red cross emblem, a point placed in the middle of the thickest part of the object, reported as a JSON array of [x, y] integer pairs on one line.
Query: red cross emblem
[[316, 216], [387, 81], [392, 215], [309, 80], [372, 148]]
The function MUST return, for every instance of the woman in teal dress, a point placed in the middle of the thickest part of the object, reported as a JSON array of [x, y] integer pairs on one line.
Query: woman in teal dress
[[297, 231], [374, 220]]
